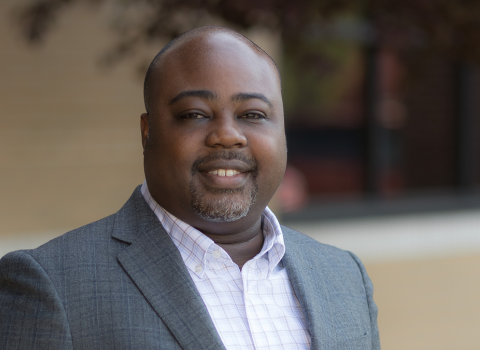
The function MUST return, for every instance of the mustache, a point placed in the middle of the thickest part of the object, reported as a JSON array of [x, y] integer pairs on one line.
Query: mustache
[[225, 155]]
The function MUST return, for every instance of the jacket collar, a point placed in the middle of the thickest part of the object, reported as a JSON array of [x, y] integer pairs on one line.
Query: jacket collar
[[305, 273], [163, 278]]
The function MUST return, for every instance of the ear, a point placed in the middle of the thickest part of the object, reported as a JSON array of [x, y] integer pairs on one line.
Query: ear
[[144, 127]]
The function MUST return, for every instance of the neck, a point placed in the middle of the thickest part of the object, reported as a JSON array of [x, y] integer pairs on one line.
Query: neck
[[242, 246]]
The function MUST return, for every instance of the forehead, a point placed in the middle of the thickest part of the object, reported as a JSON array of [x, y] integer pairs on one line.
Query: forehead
[[219, 62]]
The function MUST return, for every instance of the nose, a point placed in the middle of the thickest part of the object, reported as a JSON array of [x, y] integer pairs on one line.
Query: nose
[[224, 132]]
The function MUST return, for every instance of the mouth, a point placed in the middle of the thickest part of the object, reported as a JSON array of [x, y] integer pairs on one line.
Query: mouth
[[224, 178], [225, 173], [223, 185]]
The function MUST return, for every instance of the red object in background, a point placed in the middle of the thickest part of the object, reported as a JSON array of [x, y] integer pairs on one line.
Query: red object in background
[[292, 193], [391, 182], [312, 177]]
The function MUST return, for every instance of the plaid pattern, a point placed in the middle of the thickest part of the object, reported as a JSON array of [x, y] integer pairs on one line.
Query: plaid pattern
[[255, 308]]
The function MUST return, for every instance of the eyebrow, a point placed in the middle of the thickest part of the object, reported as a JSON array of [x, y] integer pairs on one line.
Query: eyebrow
[[204, 94], [241, 97], [209, 95]]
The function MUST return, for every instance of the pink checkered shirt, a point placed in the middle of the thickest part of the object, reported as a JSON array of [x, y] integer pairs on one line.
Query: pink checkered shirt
[[255, 308]]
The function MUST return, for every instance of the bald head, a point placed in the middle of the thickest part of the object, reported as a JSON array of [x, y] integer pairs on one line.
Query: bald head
[[201, 32]]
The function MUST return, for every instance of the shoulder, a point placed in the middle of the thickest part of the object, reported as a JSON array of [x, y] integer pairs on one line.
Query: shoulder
[[295, 240], [38, 286], [76, 245], [335, 271], [79, 239], [95, 237], [63, 266], [334, 263], [304, 250]]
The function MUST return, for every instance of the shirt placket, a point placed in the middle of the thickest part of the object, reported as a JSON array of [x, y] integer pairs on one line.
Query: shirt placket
[[223, 267], [251, 276], [220, 264]]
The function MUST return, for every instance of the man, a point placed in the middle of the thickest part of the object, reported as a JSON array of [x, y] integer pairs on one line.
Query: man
[[194, 259]]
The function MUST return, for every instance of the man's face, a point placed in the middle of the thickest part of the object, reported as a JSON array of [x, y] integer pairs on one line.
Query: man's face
[[216, 149]]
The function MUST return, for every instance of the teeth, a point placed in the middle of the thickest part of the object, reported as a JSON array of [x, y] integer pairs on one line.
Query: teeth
[[223, 172]]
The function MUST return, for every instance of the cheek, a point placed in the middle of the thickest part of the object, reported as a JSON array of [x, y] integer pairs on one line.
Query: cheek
[[175, 161], [172, 156], [272, 157], [178, 144]]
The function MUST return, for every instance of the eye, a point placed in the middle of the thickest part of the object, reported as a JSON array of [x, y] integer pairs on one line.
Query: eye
[[253, 115], [193, 115]]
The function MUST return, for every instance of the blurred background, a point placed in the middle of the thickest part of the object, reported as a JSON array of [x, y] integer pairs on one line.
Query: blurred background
[[382, 108]]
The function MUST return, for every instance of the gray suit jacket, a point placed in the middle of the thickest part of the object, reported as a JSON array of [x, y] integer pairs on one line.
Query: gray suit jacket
[[120, 283]]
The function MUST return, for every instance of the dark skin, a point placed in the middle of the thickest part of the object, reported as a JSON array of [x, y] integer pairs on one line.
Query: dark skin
[[214, 94], [243, 246]]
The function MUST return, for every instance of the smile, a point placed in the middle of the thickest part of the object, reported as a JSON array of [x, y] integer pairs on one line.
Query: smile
[[224, 172]]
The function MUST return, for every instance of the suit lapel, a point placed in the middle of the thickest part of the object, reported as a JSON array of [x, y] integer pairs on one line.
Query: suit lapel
[[309, 286], [154, 263]]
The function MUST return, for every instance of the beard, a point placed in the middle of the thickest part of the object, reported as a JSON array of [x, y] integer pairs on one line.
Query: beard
[[224, 204]]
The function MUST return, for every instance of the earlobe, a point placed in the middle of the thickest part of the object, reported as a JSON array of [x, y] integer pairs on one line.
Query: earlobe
[[144, 128]]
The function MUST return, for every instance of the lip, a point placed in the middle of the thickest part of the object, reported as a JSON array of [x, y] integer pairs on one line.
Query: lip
[[224, 164], [217, 181], [232, 182]]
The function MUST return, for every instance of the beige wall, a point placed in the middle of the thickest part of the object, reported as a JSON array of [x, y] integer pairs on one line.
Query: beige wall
[[428, 304], [70, 149]]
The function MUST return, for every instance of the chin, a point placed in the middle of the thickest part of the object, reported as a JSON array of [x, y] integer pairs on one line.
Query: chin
[[223, 205]]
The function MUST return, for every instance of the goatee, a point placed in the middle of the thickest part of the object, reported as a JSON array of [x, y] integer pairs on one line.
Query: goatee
[[224, 204]]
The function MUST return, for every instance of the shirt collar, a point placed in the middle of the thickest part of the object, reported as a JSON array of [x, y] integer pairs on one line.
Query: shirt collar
[[194, 246]]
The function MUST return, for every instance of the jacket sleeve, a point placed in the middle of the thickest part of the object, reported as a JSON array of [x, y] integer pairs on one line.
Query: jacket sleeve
[[371, 304], [32, 316]]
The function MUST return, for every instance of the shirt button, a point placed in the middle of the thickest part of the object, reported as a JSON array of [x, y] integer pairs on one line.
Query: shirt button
[[198, 269], [216, 254]]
